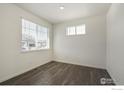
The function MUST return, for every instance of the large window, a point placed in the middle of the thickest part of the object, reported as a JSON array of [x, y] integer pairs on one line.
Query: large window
[[76, 30], [34, 36]]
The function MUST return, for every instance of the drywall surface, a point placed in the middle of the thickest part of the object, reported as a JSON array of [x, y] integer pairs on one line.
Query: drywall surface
[[88, 49], [115, 43], [12, 61]]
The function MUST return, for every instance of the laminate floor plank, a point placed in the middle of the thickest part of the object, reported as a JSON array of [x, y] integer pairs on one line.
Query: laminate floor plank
[[57, 73]]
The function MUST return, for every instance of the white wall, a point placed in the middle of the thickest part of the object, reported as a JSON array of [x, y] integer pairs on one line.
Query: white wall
[[89, 49], [12, 60], [115, 42]]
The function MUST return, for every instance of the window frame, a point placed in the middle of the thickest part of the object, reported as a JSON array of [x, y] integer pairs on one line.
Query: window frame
[[75, 26], [48, 36]]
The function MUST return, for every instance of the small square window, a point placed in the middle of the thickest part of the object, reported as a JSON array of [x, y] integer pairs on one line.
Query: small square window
[[71, 31], [80, 29]]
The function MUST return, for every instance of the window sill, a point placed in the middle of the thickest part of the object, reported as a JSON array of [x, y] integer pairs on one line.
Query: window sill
[[37, 50]]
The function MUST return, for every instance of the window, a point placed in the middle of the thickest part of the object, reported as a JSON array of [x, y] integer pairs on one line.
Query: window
[[34, 36], [76, 30], [71, 30]]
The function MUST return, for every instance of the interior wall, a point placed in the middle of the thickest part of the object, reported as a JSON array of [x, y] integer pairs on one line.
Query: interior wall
[[12, 61], [88, 49], [115, 42]]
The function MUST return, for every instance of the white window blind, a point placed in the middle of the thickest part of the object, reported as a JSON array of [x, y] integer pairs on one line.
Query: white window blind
[[80, 29], [71, 30]]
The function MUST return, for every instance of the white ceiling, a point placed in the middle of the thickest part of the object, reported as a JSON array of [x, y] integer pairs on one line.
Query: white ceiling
[[52, 13]]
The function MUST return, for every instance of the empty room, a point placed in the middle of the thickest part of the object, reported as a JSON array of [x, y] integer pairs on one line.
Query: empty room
[[61, 44]]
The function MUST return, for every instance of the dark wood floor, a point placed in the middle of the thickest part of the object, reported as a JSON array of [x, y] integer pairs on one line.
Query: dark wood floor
[[56, 73]]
